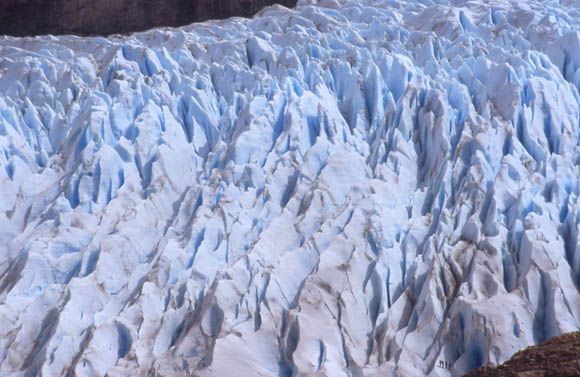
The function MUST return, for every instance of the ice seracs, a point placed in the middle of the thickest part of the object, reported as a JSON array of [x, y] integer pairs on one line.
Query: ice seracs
[[347, 188]]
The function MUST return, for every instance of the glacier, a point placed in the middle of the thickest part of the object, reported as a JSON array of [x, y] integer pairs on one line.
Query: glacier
[[347, 188]]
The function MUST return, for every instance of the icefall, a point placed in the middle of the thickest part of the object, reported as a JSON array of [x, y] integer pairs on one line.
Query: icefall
[[343, 189]]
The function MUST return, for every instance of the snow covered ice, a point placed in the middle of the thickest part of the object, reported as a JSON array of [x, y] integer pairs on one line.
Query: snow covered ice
[[361, 188]]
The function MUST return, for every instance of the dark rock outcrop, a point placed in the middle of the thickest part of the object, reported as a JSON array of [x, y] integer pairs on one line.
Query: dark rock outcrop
[[105, 17], [559, 356]]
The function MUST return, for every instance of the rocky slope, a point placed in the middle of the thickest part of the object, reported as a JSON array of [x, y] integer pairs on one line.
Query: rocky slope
[[103, 17], [559, 356]]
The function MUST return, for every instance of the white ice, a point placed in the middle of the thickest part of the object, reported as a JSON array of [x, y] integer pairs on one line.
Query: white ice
[[361, 188]]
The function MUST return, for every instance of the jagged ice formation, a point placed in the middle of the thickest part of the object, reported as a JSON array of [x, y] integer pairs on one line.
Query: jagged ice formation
[[343, 189]]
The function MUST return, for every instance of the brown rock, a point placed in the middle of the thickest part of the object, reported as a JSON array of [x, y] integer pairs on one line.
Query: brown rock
[[104, 17], [559, 356]]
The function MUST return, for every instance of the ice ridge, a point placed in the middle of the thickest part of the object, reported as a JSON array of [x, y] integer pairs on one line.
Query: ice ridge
[[359, 188]]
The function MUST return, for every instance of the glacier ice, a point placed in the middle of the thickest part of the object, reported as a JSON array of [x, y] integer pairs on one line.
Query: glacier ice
[[348, 188]]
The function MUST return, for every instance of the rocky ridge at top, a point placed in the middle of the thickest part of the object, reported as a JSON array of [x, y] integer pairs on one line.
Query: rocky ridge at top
[[105, 17]]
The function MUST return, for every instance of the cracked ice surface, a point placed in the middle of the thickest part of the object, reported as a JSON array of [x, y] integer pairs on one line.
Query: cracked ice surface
[[343, 189]]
